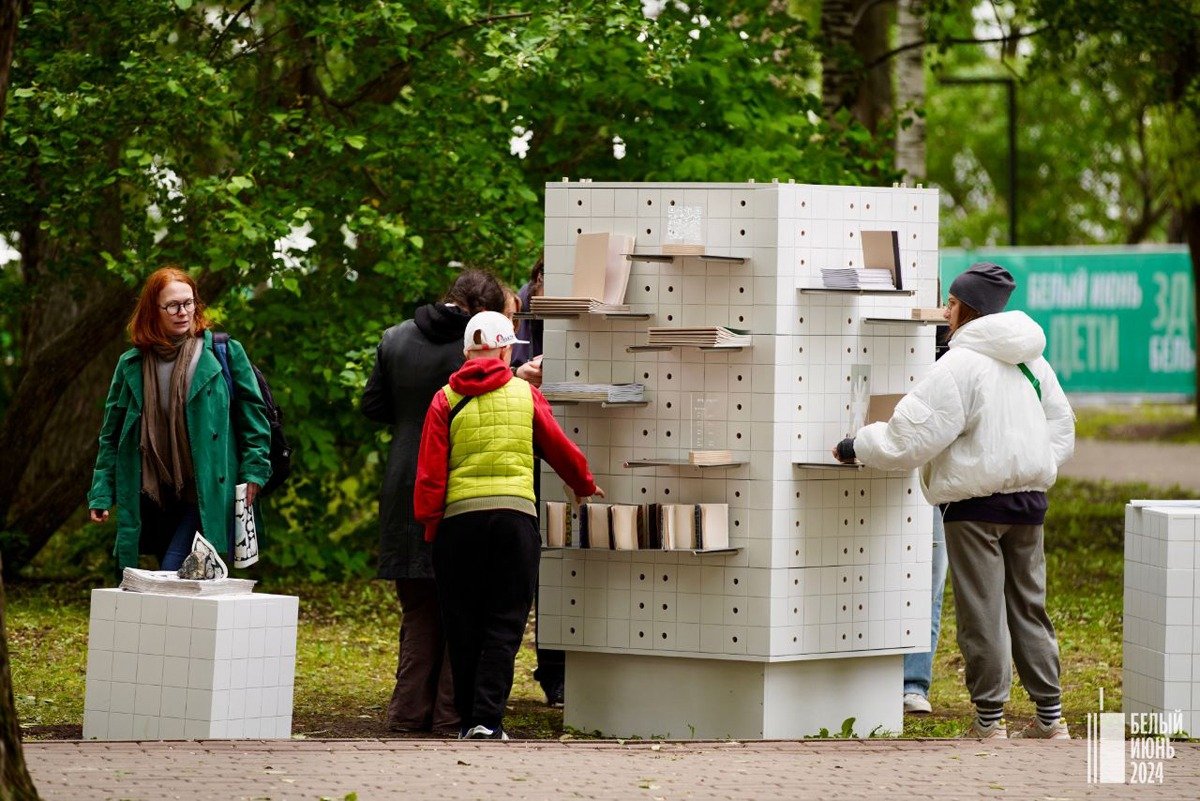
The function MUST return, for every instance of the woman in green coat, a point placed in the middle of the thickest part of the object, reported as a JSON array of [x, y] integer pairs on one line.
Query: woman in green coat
[[173, 446]]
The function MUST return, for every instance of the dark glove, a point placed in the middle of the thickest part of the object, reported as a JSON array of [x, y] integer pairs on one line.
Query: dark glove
[[845, 451]]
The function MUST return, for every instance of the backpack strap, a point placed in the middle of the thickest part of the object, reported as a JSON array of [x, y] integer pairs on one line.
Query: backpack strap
[[1037, 385], [458, 407], [221, 346]]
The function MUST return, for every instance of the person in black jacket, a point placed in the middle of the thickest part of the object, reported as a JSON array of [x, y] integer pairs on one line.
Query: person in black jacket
[[413, 361]]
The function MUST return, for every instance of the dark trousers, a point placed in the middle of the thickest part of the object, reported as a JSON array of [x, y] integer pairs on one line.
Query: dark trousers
[[551, 668], [423, 699], [167, 531], [486, 565]]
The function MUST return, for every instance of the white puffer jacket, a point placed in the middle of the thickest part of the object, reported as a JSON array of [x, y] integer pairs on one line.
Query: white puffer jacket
[[974, 425]]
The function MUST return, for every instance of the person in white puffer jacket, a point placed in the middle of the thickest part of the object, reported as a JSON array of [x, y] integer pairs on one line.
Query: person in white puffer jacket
[[988, 429]]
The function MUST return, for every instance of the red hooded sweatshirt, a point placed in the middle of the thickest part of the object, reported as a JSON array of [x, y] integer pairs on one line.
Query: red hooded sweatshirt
[[476, 377]]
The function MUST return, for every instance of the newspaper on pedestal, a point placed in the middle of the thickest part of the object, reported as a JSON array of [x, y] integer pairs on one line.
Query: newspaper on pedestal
[[211, 576]]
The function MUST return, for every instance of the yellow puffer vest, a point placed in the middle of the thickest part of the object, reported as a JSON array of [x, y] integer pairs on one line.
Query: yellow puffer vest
[[491, 451]]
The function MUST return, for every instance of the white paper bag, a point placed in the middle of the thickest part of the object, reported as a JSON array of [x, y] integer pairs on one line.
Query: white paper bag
[[245, 530]]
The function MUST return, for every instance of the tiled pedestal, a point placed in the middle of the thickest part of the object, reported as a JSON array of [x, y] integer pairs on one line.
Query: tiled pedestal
[[165, 667], [1162, 609], [628, 695]]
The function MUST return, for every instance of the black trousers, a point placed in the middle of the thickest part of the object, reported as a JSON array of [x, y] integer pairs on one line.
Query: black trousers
[[551, 667], [486, 564]]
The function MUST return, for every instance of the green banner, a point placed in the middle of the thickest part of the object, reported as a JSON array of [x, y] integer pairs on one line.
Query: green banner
[[1117, 320]]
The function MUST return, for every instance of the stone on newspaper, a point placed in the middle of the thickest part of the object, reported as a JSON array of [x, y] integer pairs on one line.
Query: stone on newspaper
[[203, 562], [192, 567]]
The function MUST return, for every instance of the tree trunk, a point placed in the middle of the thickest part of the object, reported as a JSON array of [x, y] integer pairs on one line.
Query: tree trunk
[[910, 91], [15, 782], [1191, 231], [854, 33]]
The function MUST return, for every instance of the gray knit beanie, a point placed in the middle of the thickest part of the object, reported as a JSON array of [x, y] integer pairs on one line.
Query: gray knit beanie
[[985, 287]]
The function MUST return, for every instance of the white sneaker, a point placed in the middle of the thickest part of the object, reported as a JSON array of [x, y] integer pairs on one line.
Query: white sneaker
[[916, 704], [1038, 731], [482, 732], [995, 731]]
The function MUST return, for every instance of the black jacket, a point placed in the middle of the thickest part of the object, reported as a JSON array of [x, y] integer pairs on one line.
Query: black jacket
[[413, 361]]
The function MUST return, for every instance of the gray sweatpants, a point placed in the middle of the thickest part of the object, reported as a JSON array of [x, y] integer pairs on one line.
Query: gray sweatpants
[[999, 575]]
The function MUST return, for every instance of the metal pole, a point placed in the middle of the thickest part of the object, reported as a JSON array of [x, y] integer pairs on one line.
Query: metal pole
[[1012, 162]]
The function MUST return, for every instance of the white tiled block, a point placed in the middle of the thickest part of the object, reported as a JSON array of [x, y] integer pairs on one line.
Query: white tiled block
[[124, 667], [146, 727], [170, 728], [99, 665], [95, 725], [152, 638], [126, 635], [96, 696], [101, 632], [129, 609], [147, 700], [104, 604], [120, 726], [154, 609], [174, 704]]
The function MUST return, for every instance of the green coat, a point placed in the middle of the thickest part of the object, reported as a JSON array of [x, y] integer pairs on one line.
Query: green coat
[[227, 449]]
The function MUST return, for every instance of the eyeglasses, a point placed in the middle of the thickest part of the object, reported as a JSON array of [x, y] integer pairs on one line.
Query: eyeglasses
[[177, 306]]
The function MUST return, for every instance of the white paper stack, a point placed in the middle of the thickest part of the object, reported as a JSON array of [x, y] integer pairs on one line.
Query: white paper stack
[[710, 336], [165, 582], [546, 305], [610, 393], [851, 278]]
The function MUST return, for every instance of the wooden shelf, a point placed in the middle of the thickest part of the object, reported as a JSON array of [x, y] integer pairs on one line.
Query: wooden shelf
[[556, 401], [828, 466], [634, 464], [839, 466], [576, 315], [813, 290], [649, 348], [901, 321], [693, 551], [668, 258]]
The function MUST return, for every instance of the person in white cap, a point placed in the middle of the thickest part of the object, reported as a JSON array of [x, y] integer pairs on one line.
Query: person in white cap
[[474, 495]]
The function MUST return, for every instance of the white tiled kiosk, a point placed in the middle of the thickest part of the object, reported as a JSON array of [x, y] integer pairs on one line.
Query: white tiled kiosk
[[1162, 610], [168, 667], [803, 625]]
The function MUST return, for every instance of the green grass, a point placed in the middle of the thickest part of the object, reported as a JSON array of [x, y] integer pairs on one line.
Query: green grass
[[346, 646], [1159, 422]]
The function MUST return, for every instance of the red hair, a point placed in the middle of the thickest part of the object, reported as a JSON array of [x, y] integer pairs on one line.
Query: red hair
[[145, 324]]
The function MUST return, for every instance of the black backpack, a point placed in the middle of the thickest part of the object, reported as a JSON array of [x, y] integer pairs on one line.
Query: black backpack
[[281, 452]]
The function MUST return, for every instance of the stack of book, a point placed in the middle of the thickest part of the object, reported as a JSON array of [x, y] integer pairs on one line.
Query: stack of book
[[610, 393], [709, 336], [546, 305], [851, 278], [709, 457]]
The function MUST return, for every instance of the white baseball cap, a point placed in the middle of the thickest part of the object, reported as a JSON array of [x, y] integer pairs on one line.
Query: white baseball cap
[[490, 330]]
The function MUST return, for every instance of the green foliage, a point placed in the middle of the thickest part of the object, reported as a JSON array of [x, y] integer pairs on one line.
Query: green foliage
[[1093, 164], [375, 136], [1147, 422]]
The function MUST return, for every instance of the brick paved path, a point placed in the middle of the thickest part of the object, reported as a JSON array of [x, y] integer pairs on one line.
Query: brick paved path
[[433, 769]]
